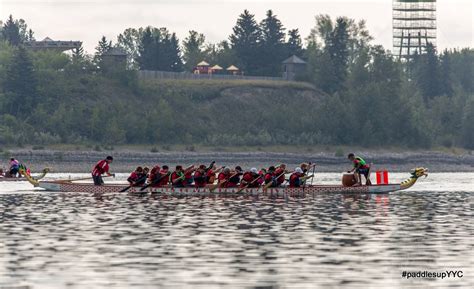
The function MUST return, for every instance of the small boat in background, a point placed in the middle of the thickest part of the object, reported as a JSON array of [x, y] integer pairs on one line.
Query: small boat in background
[[4, 178]]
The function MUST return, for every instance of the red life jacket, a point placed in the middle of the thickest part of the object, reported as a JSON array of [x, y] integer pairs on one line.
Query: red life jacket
[[199, 179], [281, 179], [153, 173], [174, 176], [268, 177], [133, 177], [164, 178], [223, 179], [295, 181], [211, 176], [249, 177]]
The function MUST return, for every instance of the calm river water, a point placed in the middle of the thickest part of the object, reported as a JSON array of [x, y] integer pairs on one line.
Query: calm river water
[[61, 240]]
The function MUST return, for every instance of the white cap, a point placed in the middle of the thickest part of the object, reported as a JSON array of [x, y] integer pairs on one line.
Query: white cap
[[299, 170], [254, 170]]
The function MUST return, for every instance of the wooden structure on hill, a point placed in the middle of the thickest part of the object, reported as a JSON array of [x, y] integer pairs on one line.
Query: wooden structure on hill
[[50, 44]]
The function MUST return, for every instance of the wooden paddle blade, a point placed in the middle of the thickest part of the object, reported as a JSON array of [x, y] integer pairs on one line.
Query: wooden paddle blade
[[126, 189]]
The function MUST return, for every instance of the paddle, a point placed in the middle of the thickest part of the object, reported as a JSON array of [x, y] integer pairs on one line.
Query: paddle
[[213, 187], [82, 179], [210, 166], [312, 174], [137, 181], [251, 183], [271, 183], [155, 181], [305, 178]]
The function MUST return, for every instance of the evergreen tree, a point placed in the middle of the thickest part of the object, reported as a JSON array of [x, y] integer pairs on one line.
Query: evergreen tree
[[338, 51], [147, 55], [11, 32], [174, 54], [193, 49], [78, 54], [21, 84], [294, 44], [272, 49], [102, 48], [426, 72], [446, 75], [245, 41]]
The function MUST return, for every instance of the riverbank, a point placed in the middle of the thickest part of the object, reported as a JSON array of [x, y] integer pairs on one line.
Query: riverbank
[[125, 159]]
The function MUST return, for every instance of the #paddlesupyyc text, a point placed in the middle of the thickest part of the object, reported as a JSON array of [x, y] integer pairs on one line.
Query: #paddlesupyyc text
[[429, 274]]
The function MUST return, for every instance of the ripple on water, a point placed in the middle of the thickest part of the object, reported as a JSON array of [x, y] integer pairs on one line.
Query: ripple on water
[[56, 240]]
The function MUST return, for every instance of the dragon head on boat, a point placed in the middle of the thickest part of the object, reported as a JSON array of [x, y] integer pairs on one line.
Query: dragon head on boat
[[34, 181], [419, 172]]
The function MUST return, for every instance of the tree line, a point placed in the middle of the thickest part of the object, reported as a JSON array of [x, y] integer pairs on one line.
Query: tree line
[[364, 95]]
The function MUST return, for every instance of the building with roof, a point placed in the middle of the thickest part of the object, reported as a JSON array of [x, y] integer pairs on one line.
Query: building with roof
[[234, 70], [216, 69], [116, 56], [50, 44], [293, 66], [202, 68]]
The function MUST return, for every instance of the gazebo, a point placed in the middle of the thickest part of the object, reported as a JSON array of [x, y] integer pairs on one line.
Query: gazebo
[[216, 69], [234, 70], [202, 68]]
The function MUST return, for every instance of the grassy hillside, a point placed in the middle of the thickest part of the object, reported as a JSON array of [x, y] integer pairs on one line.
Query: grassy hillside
[[123, 110]]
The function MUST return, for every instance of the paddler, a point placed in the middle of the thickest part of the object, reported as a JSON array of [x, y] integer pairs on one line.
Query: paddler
[[223, 178], [164, 176], [211, 174], [200, 179], [360, 168], [143, 176], [269, 177], [297, 178], [280, 174], [188, 176], [249, 179], [177, 178], [102, 167], [154, 177], [234, 179], [136, 176], [14, 167]]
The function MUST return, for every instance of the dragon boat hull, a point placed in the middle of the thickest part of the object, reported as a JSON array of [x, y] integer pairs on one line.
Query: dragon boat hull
[[281, 192], [70, 186]]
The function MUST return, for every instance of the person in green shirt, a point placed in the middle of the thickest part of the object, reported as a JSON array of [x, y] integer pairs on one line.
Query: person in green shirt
[[360, 168]]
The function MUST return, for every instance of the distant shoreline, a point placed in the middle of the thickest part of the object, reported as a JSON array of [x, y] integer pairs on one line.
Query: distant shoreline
[[81, 161]]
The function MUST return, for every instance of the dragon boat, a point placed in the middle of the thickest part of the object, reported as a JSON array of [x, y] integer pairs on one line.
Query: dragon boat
[[4, 178], [308, 190]]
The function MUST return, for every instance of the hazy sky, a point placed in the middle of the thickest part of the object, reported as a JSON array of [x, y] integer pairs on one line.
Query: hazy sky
[[88, 20]]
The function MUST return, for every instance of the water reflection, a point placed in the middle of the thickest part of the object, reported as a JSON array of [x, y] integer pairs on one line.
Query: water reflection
[[143, 241]]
